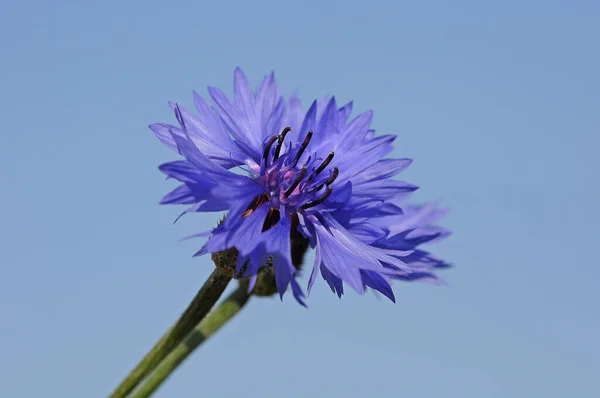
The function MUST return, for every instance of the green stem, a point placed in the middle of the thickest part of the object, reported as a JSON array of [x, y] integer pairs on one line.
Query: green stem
[[213, 321], [196, 311]]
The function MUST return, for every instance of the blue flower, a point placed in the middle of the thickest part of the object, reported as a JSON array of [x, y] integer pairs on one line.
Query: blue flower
[[275, 168]]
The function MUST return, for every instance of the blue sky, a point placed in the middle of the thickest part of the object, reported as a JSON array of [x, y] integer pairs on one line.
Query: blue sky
[[496, 102]]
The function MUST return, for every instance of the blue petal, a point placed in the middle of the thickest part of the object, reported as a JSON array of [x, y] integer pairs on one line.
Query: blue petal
[[293, 117], [164, 132], [244, 137], [310, 120], [335, 284], [184, 171], [366, 232], [427, 234], [244, 97], [384, 168], [231, 186], [424, 260], [353, 134], [415, 217], [338, 242], [328, 125], [277, 243], [345, 112], [379, 283], [208, 135], [356, 161], [272, 123], [384, 189], [255, 246], [183, 194], [270, 108]]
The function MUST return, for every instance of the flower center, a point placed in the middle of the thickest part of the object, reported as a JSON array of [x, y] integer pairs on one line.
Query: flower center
[[289, 187]]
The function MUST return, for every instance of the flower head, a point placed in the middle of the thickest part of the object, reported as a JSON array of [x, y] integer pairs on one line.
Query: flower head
[[276, 169]]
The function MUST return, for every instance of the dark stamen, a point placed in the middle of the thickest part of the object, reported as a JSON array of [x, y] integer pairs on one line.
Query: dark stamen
[[273, 217], [310, 178], [280, 141], [268, 147], [255, 204], [319, 200], [296, 182], [303, 147], [325, 163], [331, 178]]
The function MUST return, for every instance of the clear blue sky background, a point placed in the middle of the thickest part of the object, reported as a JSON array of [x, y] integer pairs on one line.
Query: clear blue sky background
[[497, 102]]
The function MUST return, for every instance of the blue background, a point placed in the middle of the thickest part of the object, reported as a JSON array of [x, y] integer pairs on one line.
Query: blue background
[[496, 102]]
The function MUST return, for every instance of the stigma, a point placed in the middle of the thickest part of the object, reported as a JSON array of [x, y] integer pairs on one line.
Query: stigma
[[290, 186]]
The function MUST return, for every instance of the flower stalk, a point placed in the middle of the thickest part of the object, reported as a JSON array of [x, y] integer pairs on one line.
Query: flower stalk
[[223, 313], [206, 328], [206, 298]]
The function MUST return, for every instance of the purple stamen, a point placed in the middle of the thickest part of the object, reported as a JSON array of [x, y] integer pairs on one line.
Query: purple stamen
[[319, 200], [331, 178], [280, 142], [303, 147], [268, 148], [325, 163], [296, 182]]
